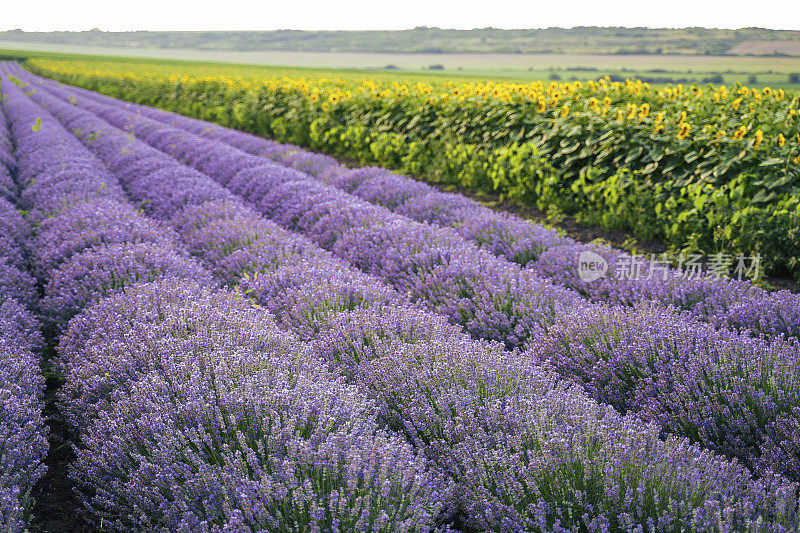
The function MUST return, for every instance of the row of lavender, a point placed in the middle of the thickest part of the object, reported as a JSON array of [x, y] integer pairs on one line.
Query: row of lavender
[[23, 435], [442, 389], [634, 359], [150, 366], [727, 303]]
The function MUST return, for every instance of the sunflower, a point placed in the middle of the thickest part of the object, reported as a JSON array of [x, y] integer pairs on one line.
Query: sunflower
[[658, 129], [564, 111], [683, 130], [644, 110], [759, 138], [334, 98], [741, 132], [781, 140]]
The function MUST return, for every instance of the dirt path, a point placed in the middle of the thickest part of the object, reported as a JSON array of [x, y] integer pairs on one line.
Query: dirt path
[[56, 508]]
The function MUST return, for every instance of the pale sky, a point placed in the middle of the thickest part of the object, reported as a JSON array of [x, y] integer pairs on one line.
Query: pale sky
[[48, 15]]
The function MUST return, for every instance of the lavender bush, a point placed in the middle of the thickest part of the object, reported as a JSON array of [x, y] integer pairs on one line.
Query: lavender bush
[[728, 303], [23, 434], [560, 462], [306, 293], [101, 271], [728, 391], [238, 445], [100, 222], [531, 452], [12, 223], [115, 341]]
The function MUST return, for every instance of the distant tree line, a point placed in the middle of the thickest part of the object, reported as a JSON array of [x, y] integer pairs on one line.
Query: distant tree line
[[610, 40]]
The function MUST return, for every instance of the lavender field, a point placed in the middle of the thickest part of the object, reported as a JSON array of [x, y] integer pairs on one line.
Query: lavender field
[[242, 335]]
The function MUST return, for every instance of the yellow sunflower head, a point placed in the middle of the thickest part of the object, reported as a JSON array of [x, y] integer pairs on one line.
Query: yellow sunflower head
[[759, 138]]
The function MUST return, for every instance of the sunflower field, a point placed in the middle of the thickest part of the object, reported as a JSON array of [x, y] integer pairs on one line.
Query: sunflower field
[[704, 169]]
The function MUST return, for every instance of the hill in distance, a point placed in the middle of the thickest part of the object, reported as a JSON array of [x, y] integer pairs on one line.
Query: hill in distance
[[580, 40]]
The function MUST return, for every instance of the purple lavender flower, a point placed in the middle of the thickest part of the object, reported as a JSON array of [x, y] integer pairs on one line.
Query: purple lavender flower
[[23, 435], [101, 222], [350, 339], [729, 303], [17, 284], [119, 339], [233, 242], [560, 462], [730, 392], [12, 223], [103, 270], [229, 441], [390, 190], [306, 293]]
